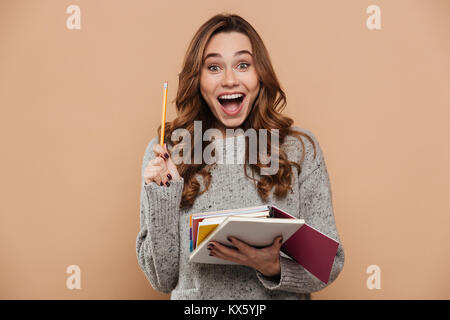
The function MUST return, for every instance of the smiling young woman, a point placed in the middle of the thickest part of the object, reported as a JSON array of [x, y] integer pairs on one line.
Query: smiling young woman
[[226, 55], [227, 82]]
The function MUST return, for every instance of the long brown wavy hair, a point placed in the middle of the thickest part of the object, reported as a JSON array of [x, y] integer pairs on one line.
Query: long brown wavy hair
[[265, 113]]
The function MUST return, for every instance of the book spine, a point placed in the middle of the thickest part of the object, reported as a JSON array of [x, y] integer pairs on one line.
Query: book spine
[[190, 239], [190, 233]]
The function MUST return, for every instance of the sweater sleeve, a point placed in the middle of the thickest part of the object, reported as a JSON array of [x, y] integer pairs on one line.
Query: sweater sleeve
[[317, 209], [157, 243]]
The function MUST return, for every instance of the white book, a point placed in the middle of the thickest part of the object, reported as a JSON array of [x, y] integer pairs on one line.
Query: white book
[[208, 225], [254, 231], [218, 220], [239, 211], [195, 219]]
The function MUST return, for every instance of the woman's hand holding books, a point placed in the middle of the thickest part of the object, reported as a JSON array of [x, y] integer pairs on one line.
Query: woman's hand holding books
[[265, 260]]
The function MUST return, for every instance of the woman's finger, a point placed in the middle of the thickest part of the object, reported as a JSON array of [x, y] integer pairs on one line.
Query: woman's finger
[[153, 170], [164, 177], [229, 253], [159, 151], [171, 167], [277, 242], [242, 246], [218, 254], [163, 173], [158, 162], [151, 174]]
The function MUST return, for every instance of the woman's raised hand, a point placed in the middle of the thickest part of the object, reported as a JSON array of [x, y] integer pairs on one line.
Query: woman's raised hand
[[161, 169]]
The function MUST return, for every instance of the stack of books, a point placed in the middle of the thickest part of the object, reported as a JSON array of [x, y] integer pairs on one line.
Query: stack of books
[[258, 227]]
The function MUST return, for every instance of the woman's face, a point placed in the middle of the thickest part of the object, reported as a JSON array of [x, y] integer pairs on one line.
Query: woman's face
[[228, 73]]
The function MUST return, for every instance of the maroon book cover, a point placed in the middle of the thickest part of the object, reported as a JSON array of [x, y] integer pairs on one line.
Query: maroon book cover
[[311, 248]]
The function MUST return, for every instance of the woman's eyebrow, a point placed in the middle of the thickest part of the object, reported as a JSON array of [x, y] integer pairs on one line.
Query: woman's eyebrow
[[219, 55]]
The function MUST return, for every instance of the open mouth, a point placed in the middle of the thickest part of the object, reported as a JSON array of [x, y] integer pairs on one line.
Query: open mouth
[[231, 105]]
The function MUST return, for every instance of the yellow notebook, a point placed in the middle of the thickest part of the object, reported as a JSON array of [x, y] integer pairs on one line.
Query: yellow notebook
[[204, 231]]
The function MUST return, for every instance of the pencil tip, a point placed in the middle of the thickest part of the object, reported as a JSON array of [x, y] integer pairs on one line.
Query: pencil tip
[[165, 84]]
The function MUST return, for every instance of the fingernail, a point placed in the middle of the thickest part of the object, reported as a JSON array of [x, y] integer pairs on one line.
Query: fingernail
[[281, 240], [229, 239], [209, 248], [167, 183], [169, 176], [161, 183], [166, 155]]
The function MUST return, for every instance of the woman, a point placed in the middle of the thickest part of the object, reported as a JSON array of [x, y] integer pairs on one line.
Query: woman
[[227, 59]]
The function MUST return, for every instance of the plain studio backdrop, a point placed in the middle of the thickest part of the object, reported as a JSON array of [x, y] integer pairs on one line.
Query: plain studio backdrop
[[79, 106]]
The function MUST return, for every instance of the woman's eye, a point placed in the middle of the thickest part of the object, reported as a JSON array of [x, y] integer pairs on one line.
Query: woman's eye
[[209, 68], [246, 65]]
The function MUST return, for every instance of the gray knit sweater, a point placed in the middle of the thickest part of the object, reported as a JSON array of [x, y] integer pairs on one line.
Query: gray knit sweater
[[162, 245]]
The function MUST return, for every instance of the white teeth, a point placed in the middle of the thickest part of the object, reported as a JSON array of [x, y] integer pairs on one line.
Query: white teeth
[[231, 96]]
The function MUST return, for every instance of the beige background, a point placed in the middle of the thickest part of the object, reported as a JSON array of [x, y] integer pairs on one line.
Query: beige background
[[78, 108]]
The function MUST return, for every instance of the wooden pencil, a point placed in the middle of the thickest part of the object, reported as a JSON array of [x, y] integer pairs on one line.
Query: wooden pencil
[[163, 120]]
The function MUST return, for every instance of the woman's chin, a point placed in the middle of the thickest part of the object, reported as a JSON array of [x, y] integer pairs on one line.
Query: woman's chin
[[233, 123]]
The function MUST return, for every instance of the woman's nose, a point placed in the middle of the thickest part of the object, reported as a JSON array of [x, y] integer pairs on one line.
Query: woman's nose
[[229, 78]]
